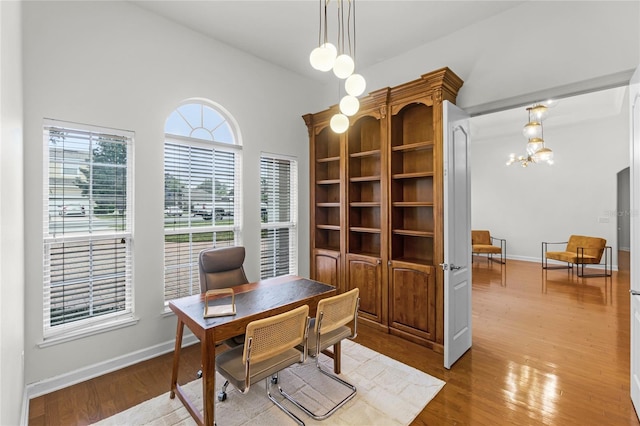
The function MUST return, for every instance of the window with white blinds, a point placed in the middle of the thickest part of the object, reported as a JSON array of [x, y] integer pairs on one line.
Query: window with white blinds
[[202, 192], [279, 216], [87, 227]]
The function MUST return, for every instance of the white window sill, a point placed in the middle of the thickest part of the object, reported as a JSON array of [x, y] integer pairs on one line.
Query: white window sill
[[166, 312], [89, 330]]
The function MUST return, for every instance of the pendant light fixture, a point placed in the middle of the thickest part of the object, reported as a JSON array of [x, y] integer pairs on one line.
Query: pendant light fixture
[[537, 152], [340, 57]]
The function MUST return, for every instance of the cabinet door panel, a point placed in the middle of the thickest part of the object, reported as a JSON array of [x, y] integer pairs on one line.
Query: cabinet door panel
[[364, 273], [413, 299], [327, 267]]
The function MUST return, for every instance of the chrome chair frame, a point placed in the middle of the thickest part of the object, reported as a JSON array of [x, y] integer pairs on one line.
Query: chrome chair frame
[[319, 349], [271, 378]]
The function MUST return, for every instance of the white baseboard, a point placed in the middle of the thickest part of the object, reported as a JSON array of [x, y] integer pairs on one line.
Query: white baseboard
[[43, 387]]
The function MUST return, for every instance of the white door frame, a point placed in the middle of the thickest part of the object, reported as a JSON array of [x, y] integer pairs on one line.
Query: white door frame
[[634, 125]]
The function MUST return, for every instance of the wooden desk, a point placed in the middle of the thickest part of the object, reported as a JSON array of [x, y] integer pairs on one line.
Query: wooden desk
[[254, 301]]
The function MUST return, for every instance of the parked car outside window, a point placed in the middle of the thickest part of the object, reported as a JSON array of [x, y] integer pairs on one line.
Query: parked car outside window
[[72, 210], [173, 211]]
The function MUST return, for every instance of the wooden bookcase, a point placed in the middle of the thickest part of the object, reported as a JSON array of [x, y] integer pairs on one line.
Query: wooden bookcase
[[376, 205]]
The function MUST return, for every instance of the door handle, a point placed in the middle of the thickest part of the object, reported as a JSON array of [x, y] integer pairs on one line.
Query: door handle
[[634, 292], [449, 266]]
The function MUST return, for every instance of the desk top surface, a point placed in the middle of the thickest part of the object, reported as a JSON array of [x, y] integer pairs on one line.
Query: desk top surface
[[254, 298]]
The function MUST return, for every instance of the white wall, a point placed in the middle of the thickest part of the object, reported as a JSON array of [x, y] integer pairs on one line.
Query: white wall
[[548, 203], [11, 216], [113, 64], [528, 49]]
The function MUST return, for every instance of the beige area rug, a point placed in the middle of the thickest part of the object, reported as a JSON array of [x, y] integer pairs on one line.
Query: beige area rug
[[389, 393]]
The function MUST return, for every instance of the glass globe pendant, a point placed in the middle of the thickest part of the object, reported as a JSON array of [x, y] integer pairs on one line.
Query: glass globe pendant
[[344, 66], [532, 130], [544, 154], [355, 85], [323, 58], [349, 105], [534, 145], [539, 112], [339, 123]]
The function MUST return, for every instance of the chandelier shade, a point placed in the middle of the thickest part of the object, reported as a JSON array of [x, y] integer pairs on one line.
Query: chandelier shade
[[534, 145], [323, 57], [532, 129], [349, 105], [355, 85], [343, 66], [539, 112], [544, 154], [339, 123]]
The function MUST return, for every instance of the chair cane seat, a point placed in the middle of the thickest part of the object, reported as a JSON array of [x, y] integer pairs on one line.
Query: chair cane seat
[[327, 339]]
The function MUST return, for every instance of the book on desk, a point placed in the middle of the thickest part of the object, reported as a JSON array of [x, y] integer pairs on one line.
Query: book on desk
[[211, 311]]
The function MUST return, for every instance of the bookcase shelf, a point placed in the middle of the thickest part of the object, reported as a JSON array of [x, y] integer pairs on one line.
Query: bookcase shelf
[[414, 175], [413, 146], [328, 159], [371, 153]]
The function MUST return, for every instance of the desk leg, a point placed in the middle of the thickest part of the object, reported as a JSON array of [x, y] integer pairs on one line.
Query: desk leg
[[176, 358], [208, 350], [337, 356]]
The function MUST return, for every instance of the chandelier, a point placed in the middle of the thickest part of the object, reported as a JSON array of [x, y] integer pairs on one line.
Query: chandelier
[[537, 152], [340, 57]]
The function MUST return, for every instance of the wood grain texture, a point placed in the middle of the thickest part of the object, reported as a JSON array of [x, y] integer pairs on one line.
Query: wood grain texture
[[551, 351]]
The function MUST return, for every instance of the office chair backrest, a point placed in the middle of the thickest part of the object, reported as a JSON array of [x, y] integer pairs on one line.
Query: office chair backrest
[[221, 267]]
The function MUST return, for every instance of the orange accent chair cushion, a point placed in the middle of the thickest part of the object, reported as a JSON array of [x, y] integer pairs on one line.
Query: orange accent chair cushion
[[593, 250], [481, 242]]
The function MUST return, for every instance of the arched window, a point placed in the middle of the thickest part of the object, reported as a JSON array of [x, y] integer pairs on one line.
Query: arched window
[[202, 190]]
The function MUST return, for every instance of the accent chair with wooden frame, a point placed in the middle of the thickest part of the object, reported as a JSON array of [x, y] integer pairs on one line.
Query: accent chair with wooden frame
[[271, 345], [483, 243], [580, 250]]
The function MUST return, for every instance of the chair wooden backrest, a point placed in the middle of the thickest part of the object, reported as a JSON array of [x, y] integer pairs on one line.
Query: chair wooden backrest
[[336, 311], [593, 246], [269, 337]]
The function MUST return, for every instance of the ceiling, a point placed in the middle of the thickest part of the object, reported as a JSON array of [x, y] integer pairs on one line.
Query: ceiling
[[285, 32], [562, 112]]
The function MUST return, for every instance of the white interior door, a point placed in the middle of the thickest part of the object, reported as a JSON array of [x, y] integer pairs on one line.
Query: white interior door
[[634, 105], [457, 234]]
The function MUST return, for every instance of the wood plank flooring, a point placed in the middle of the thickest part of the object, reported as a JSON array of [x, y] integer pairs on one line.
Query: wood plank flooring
[[546, 351]]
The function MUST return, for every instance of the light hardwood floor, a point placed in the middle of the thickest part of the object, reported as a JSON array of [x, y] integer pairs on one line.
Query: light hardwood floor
[[551, 351]]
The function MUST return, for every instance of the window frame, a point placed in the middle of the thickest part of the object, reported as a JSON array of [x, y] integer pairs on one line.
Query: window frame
[[182, 142], [291, 225], [66, 331]]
